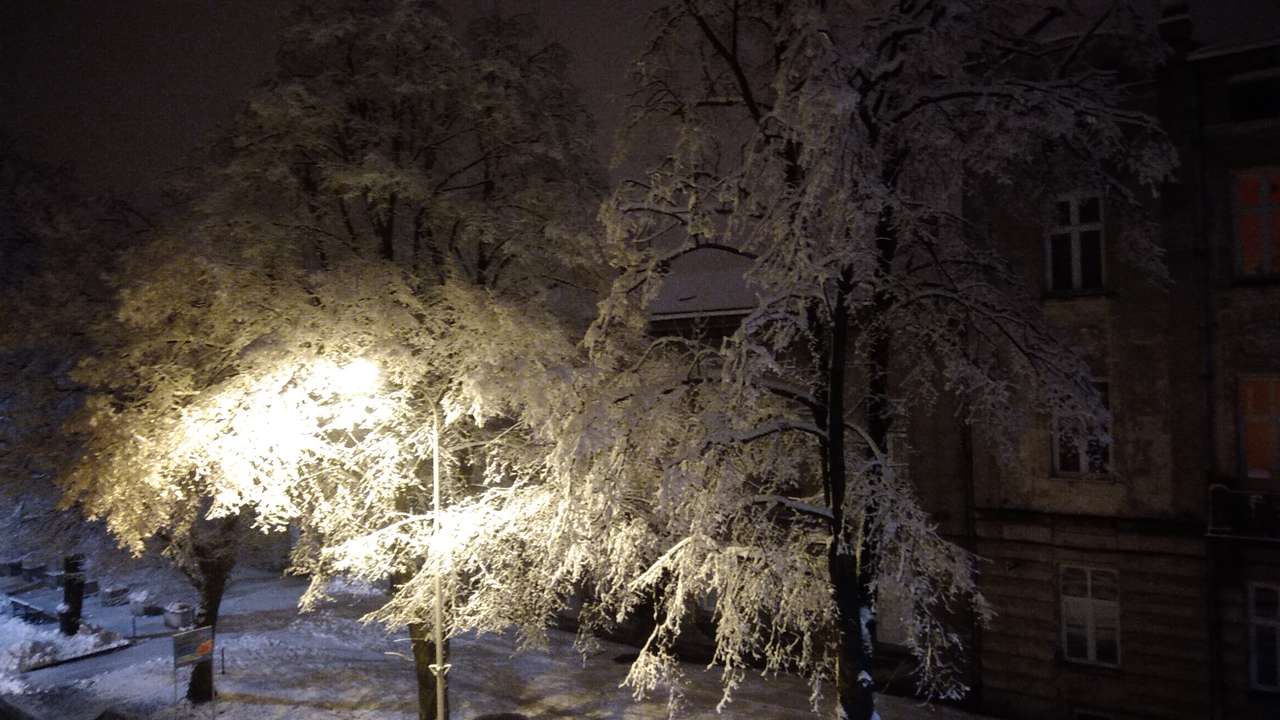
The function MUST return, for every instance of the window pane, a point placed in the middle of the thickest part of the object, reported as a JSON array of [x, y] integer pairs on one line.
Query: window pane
[[1060, 262], [1108, 646], [1099, 455], [1264, 658], [1256, 396], [1074, 584], [1260, 448], [1091, 259], [1104, 586], [1274, 244], [1068, 455], [1248, 190], [1249, 243], [1062, 213], [1090, 210], [1077, 643], [1265, 601]]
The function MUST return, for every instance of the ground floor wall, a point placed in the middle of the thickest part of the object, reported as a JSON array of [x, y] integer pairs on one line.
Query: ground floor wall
[[1155, 593], [1246, 576]]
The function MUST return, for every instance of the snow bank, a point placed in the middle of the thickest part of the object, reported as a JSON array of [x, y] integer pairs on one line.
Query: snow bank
[[24, 646]]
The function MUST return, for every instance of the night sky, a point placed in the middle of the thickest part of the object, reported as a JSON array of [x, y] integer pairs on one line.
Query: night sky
[[122, 90]]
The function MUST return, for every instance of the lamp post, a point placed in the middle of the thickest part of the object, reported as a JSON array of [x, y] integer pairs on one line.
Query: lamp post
[[439, 668]]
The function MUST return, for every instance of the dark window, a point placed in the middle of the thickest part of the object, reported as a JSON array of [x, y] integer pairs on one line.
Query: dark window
[[1077, 451], [1076, 250], [1254, 99]]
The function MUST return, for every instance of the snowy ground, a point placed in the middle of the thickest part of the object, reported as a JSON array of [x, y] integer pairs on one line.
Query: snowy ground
[[327, 665]]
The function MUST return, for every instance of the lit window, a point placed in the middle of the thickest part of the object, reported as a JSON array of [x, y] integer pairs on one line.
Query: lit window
[[1260, 427], [1090, 615], [1074, 246], [1264, 637], [1078, 452], [1257, 222]]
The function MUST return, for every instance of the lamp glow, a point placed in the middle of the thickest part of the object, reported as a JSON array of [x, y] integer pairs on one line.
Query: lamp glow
[[358, 377]]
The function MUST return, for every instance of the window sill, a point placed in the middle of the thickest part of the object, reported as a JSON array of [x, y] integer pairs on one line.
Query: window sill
[[1246, 281], [1101, 478], [1066, 295], [1090, 667]]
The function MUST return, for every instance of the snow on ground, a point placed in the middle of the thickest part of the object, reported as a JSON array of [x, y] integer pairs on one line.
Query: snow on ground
[[328, 665]]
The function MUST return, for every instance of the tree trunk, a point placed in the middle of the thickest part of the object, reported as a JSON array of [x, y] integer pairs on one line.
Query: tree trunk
[[849, 567], [72, 594], [214, 558], [424, 656]]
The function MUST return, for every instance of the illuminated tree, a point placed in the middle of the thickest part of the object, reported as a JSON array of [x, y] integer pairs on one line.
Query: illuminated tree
[[387, 168]]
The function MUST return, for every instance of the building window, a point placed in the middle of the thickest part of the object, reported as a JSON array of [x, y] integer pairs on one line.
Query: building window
[[1254, 96], [1079, 452], [1090, 615], [1260, 427], [1257, 222], [1074, 245], [1264, 637]]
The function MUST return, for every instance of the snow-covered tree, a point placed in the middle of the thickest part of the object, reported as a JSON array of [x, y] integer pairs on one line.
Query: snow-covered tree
[[56, 245], [850, 153], [387, 168], [847, 152]]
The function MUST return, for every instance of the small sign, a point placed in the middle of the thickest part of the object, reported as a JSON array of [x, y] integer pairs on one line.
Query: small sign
[[193, 646]]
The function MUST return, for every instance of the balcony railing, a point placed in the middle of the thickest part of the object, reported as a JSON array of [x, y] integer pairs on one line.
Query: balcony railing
[[1244, 513]]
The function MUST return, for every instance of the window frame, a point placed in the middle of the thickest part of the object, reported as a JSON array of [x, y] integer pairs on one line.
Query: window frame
[[1269, 225], [1082, 442], [1254, 622], [1075, 228], [1091, 639]]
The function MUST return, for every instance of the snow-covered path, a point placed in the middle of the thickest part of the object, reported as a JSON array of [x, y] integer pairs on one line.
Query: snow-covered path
[[327, 665]]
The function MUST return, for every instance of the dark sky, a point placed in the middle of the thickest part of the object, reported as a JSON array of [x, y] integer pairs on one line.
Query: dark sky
[[121, 89]]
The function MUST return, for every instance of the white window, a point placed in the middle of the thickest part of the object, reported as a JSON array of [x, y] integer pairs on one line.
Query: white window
[[1257, 222], [1090, 615], [1264, 637], [1074, 249], [1079, 452]]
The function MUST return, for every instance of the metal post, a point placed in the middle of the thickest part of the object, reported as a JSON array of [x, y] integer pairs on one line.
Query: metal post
[[439, 611]]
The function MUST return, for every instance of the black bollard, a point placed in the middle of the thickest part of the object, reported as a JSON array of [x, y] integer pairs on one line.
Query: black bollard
[[72, 594]]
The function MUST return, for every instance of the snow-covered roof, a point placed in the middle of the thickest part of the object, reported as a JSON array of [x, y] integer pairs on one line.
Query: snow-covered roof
[[704, 282]]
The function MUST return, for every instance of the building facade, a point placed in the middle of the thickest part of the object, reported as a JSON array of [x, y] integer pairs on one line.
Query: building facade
[[1137, 576]]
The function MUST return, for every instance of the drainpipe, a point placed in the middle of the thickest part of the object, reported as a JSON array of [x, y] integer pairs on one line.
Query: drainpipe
[[1208, 324]]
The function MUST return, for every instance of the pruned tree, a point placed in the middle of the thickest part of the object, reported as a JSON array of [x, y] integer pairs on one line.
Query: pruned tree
[[56, 245], [388, 167]]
